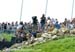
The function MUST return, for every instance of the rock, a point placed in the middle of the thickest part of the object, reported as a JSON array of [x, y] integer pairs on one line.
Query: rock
[[44, 40], [26, 43], [55, 31], [16, 45], [49, 36], [72, 31], [23, 42], [64, 30], [6, 50], [46, 35], [54, 37], [35, 43], [38, 35], [39, 39], [19, 47]]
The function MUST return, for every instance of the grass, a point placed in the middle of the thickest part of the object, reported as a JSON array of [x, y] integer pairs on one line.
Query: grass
[[6, 36], [66, 44]]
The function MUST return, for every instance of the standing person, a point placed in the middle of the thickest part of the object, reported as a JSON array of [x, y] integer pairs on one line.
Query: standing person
[[20, 27], [53, 21], [35, 22], [48, 23], [20, 33], [13, 27], [5, 27], [39, 28], [9, 28], [34, 26], [66, 22], [0, 27], [43, 21], [29, 27], [73, 22], [16, 24]]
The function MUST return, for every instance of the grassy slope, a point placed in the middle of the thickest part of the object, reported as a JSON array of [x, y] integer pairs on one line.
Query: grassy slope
[[6, 36], [62, 45]]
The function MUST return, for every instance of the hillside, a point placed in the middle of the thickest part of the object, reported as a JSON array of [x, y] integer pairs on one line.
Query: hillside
[[66, 44]]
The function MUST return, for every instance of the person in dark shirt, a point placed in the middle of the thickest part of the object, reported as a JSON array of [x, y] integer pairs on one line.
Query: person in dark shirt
[[43, 21], [57, 25], [5, 27], [35, 23]]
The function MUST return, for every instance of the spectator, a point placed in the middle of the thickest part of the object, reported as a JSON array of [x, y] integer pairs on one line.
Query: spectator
[[73, 22], [16, 24], [9, 28], [13, 27], [57, 25], [53, 21], [43, 21], [35, 22], [66, 22], [48, 23], [70, 26], [5, 27]]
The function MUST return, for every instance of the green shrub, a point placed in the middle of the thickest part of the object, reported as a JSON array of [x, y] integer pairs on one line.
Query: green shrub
[[6, 36]]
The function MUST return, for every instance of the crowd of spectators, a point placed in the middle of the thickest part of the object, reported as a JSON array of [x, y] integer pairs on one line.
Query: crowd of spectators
[[24, 31], [44, 24]]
